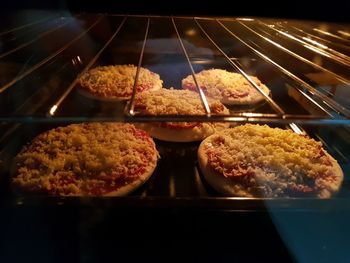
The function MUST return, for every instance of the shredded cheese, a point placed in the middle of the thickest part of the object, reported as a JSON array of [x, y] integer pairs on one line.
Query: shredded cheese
[[65, 160], [226, 86], [271, 161], [175, 102], [118, 81]]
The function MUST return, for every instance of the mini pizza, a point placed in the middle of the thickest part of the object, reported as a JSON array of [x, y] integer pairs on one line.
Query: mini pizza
[[178, 102], [116, 82], [228, 87], [259, 161], [89, 159]]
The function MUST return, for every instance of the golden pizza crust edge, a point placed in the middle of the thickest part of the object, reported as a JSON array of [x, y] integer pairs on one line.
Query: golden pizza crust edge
[[183, 135]]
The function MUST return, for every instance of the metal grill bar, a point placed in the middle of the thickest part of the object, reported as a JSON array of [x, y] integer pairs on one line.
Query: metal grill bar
[[344, 80], [316, 44], [199, 89], [335, 106], [274, 105], [296, 128], [41, 63], [34, 39], [26, 25], [8, 133], [344, 33], [28, 103], [328, 106], [314, 48], [239, 117], [132, 101], [334, 52], [319, 38], [330, 34], [72, 85]]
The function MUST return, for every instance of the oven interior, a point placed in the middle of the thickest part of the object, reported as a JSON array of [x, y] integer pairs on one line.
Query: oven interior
[[304, 63]]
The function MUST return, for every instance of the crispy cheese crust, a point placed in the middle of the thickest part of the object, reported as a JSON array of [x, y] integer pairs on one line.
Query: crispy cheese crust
[[228, 87], [86, 159], [178, 102], [116, 82], [259, 161]]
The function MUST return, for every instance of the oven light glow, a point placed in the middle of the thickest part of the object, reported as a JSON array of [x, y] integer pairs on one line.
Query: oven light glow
[[191, 32], [245, 19], [296, 128], [315, 42], [327, 33], [53, 109], [249, 114], [316, 50], [344, 33], [76, 60], [172, 190]]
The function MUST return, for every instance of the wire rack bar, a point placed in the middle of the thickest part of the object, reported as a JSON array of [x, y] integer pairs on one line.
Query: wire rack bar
[[319, 38], [273, 104], [332, 104], [55, 106], [25, 25], [242, 117], [35, 39], [325, 52], [132, 101], [279, 46], [199, 89], [315, 43], [323, 32], [47, 59]]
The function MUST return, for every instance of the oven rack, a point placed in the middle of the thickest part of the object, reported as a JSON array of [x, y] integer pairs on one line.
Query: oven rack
[[305, 64]]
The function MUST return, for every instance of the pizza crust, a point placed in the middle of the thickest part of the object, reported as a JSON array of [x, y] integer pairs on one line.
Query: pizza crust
[[127, 189], [178, 102], [220, 183], [251, 99], [89, 95], [232, 187], [183, 135], [228, 87], [335, 186]]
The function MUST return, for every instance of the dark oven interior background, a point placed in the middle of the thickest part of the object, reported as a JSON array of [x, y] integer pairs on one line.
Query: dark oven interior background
[[331, 11]]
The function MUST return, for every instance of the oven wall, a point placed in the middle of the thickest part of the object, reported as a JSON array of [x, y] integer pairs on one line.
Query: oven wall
[[333, 11]]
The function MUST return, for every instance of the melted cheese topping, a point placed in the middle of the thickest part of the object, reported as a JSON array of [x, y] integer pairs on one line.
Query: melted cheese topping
[[73, 160], [223, 85], [175, 102], [118, 81], [271, 162]]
